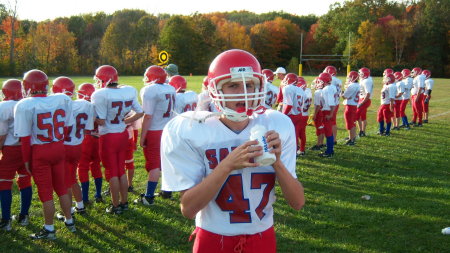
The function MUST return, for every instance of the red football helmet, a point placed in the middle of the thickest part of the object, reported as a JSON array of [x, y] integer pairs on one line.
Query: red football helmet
[[398, 76], [35, 82], [205, 83], [268, 74], [352, 77], [364, 73], [64, 85], [155, 74], [316, 84], [290, 79], [388, 71], [301, 82], [416, 71], [178, 82], [388, 79], [325, 79], [12, 89], [426, 73], [406, 73], [105, 75], [330, 70], [237, 66], [85, 91]]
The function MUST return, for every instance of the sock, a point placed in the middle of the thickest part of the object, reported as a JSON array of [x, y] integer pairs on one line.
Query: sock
[[68, 221], [330, 145], [381, 126], [25, 200], [388, 127], [6, 200], [85, 190], [151, 186], [80, 205], [406, 121], [49, 227], [98, 187]]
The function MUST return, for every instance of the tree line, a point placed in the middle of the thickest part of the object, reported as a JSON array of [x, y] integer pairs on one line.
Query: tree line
[[396, 34]]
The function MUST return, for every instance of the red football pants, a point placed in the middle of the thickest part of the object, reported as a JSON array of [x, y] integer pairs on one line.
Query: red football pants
[[398, 108], [361, 112], [152, 150], [425, 105], [207, 242], [417, 105], [112, 153], [350, 116], [403, 105], [90, 159], [327, 124], [11, 163], [318, 123], [384, 114], [73, 154]]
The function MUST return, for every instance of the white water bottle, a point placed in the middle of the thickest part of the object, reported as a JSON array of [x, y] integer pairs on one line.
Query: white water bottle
[[258, 133]]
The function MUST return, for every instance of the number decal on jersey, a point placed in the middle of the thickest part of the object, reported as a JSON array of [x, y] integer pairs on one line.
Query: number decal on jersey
[[299, 103], [55, 129], [269, 98], [356, 99], [383, 95], [81, 125], [171, 98], [190, 107], [307, 104], [119, 104], [231, 197]]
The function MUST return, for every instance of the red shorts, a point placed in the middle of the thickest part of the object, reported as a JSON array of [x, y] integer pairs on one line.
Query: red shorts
[[333, 119], [397, 108], [361, 112], [327, 124], [350, 116], [384, 114], [206, 241], [73, 154], [403, 107], [112, 153], [152, 150], [47, 168], [90, 159], [11, 163]]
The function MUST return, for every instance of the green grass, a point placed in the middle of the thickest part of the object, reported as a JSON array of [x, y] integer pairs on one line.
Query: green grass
[[407, 175]]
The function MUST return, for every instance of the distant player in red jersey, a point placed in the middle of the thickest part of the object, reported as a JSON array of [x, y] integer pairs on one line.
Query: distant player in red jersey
[[39, 121], [11, 158]]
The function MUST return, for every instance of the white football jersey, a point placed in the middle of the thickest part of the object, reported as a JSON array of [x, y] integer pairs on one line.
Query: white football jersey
[[186, 101], [351, 94], [400, 89], [388, 92], [429, 83], [306, 102], [366, 87], [408, 86], [158, 100], [43, 118], [271, 95], [329, 95], [418, 83], [83, 113], [318, 101], [112, 105], [337, 83], [7, 122], [293, 96], [190, 152]]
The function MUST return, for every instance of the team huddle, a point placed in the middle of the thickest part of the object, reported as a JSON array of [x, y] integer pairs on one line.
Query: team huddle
[[199, 144]]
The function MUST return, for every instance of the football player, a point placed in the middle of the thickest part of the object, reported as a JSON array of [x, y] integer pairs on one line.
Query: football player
[[417, 95], [400, 86], [351, 96], [133, 135], [212, 163], [337, 84], [317, 115], [111, 103], [429, 83], [204, 100], [301, 83], [90, 156], [184, 100], [408, 81], [388, 93], [365, 96], [83, 113], [388, 72], [293, 103], [39, 121], [158, 101], [328, 105], [11, 158], [272, 90]]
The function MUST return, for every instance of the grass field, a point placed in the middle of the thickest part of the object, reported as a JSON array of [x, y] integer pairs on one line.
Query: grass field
[[407, 176]]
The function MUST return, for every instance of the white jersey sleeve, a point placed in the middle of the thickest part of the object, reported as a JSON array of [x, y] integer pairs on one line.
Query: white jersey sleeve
[[191, 151], [7, 122]]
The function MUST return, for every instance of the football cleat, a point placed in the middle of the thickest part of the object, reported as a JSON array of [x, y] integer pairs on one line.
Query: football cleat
[[71, 227], [113, 210], [315, 147], [5, 225], [130, 188], [420, 125], [99, 199], [22, 219], [326, 155], [350, 143], [425, 121], [146, 201], [75, 210], [60, 216], [44, 234], [124, 206]]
